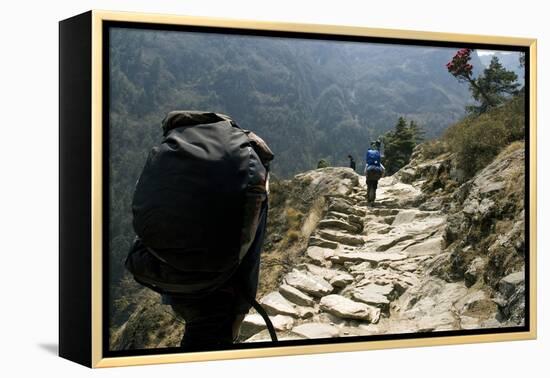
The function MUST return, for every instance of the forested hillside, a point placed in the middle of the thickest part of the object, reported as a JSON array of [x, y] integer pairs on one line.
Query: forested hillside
[[309, 99]]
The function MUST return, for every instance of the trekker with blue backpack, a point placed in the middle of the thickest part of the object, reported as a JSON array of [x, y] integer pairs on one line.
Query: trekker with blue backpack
[[374, 170]]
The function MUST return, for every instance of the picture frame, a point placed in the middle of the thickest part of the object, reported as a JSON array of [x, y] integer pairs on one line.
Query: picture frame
[[84, 82]]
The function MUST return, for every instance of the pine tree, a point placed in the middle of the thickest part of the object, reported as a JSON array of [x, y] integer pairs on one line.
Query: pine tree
[[497, 83], [491, 88], [399, 144], [417, 132]]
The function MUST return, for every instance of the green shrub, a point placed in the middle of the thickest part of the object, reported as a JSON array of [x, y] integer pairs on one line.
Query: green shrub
[[323, 164], [479, 138]]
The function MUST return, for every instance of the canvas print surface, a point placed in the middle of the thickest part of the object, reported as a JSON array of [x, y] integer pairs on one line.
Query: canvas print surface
[[384, 194]]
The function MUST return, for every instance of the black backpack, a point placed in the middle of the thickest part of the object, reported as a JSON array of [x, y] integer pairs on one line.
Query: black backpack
[[196, 204]]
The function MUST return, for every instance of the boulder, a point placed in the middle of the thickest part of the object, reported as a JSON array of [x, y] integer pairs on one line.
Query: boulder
[[348, 309]]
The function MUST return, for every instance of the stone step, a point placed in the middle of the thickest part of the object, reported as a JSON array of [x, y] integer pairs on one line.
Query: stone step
[[340, 205], [337, 278], [308, 283], [263, 336], [339, 225], [254, 323], [323, 243], [384, 212], [327, 274], [371, 257], [352, 219], [341, 237], [316, 330], [401, 281], [342, 279], [359, 269], [372, 298], [319, 255], [392, 240], [348, 309], [430, 246], [296, 296], [275, 304]]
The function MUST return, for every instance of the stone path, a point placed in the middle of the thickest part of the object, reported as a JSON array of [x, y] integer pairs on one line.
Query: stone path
[[367, 272]]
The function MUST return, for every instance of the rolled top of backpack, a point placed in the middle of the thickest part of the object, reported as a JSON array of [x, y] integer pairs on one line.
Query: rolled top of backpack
[[182, 118]]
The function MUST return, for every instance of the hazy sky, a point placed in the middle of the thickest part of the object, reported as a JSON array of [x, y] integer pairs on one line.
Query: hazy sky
[[491, 52]]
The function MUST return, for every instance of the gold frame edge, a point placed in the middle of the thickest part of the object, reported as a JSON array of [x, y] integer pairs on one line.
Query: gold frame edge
[[99, 16]]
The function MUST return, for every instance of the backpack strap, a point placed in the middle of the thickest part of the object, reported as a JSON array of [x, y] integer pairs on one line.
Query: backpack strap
[[258, 307]]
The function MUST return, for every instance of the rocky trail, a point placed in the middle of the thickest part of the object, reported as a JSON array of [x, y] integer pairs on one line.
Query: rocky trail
[[434, 253], [367, 272]]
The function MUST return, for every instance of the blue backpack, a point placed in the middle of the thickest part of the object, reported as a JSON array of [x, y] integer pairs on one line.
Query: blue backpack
[[373, 157]]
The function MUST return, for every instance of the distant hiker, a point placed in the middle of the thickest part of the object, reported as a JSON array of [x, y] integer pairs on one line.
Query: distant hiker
[[351, 162], [374, 170], [199, 213]]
